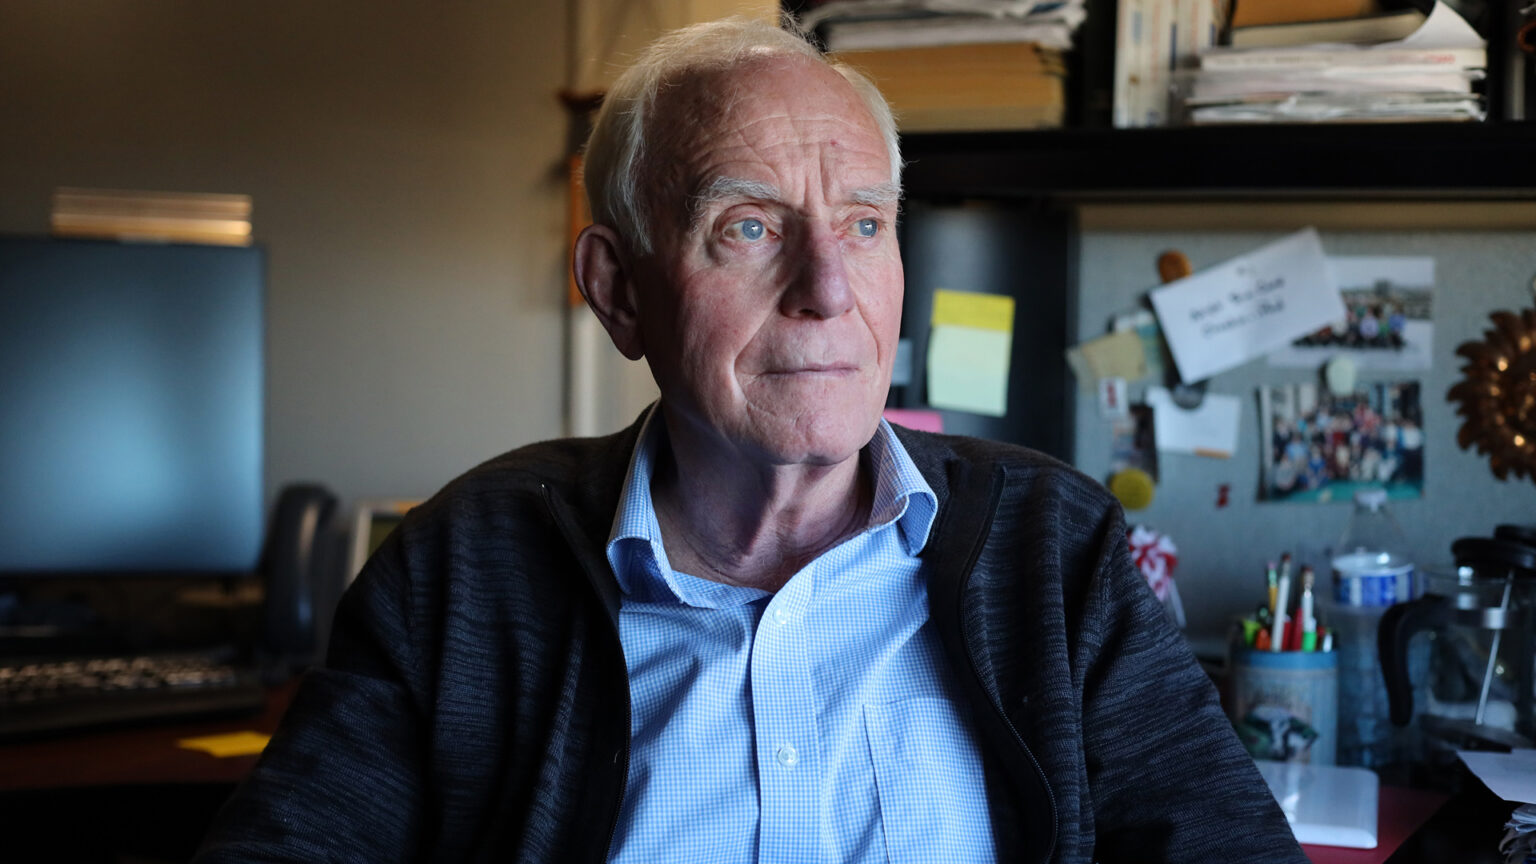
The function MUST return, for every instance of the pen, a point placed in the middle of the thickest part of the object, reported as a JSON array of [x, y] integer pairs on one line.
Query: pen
[[1282, 596], [1269, 578]]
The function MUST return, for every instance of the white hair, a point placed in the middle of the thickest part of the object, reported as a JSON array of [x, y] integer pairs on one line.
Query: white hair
[[620, 133]]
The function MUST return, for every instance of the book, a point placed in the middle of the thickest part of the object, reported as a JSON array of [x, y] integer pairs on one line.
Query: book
[[1072, 12], [1154, 39], [1418, 107], [1387, 27], [967, 87], [1130, 65], [1249, 13], [1324, 56], [1348, 80], [917, 30]]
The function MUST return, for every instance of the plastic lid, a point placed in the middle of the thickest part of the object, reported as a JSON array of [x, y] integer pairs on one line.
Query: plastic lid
[[1482, 553], [1517, 534], [1372, 498]]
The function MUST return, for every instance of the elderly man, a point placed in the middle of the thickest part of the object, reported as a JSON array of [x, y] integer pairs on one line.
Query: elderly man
[[760, 624]]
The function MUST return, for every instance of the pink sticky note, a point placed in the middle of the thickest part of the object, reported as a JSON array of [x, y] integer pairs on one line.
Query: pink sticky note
[[913, 418]]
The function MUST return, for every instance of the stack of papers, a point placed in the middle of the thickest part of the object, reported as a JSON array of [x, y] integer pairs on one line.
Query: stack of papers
[[1428, 75], [849, 25], [1511, 776]]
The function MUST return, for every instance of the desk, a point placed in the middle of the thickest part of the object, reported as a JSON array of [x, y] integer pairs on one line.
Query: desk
[[1416, 826], [121, 794], [1399, 813]]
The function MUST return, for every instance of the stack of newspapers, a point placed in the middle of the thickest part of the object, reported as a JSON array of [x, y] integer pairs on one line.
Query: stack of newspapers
[[850, 25], [1432, 74]]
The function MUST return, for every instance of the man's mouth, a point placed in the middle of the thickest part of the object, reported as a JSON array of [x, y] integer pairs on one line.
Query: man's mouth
[[814, 369]]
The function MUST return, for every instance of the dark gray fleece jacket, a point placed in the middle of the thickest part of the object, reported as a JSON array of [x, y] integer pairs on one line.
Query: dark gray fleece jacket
[[474, 704]]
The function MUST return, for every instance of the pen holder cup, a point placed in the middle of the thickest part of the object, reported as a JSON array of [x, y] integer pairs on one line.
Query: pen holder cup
[[1285, 704]]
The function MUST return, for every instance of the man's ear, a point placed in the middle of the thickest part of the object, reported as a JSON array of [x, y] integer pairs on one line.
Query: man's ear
[[604, 275]]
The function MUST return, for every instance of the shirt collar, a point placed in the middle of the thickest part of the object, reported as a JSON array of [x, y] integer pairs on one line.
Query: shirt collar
[[639, 561]]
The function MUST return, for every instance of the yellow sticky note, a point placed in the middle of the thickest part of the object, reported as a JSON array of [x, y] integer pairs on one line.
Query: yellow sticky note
[[969, 309], [233, 744], [968, 369]]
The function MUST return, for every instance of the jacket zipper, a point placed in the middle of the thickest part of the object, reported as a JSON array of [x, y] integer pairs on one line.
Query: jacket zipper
[[613, 823], [571, 537], [970, 656]]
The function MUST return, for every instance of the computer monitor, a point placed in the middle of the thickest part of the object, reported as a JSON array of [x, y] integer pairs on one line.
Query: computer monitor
[[131, 409]]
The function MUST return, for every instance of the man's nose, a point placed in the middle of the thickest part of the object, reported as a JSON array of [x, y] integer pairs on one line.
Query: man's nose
[[819, 287]]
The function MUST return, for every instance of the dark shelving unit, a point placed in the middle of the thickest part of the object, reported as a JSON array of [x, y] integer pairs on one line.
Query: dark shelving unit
[[1494, 160], [993, 211]]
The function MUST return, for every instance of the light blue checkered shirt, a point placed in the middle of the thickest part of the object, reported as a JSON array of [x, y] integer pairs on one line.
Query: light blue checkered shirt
[[815, 724]]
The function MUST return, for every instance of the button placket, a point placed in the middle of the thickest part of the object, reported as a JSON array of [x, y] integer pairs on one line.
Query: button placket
[[783, 698]]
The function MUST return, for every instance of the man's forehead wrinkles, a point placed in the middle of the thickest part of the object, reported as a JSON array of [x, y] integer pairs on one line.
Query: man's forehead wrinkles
[[796, 119]]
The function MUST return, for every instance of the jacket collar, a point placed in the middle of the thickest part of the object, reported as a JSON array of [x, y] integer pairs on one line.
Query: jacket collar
[[583, 505]]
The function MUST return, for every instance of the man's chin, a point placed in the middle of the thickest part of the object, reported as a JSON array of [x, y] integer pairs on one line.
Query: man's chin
[[819, 441]]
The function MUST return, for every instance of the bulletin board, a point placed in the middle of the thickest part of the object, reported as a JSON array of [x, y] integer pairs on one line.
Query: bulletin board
[[1210, 506]]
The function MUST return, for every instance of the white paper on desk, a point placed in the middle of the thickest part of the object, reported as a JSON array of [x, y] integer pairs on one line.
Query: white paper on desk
[[1209, 430], [1511, 776], [1244, 308]]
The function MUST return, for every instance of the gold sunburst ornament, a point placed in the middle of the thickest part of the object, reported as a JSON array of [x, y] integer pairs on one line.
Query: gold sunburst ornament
[[1497, 393]]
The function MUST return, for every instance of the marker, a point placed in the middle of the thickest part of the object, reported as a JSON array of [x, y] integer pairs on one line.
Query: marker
[[1250, 631], [1308, 619], [1269, 577], [1282, 596]]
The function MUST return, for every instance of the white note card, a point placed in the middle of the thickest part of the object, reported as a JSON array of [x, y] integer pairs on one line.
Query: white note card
[[1210, 429], [1244, 308]]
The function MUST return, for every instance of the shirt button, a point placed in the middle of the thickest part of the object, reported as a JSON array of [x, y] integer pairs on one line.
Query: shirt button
[[788, 756], [780, 617]]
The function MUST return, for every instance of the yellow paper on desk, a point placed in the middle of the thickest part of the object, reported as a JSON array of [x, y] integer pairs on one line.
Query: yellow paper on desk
[[969, 350], [246, 743]]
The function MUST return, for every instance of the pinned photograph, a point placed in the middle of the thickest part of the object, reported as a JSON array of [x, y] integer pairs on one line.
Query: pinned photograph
[[1322, 447], [1387, 323]]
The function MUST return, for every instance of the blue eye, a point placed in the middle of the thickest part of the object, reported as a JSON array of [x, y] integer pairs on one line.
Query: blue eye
[[751, 229], [868, 227]]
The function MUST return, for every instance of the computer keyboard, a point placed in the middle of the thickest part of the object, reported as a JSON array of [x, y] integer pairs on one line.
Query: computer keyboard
[[79, 693]]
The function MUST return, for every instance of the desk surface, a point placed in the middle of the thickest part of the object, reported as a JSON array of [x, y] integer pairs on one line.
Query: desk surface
[[1423, 827], [134, 755], [1399, 812]]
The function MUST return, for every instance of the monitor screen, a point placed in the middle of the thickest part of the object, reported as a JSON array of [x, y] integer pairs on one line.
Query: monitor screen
[[131, 394]]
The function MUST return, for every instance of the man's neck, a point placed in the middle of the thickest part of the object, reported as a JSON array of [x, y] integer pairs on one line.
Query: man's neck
[[754, 528]]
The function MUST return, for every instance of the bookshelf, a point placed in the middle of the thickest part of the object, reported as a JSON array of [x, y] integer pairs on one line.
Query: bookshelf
[[1478, 161], [1019, 194]]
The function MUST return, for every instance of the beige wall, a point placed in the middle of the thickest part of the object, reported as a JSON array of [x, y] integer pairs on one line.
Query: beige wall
[[405, 161]]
